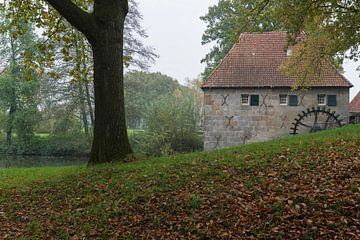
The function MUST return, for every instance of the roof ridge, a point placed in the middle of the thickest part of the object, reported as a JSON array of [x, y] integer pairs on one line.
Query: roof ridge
[[254, 60]]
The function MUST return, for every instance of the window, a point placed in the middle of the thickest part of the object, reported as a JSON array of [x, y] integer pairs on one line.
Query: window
[[331, 100], [245, 99], [321, 100], [283, 99], [293, 100], [254, 100]]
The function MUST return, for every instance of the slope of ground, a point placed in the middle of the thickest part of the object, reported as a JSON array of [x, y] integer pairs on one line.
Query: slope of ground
[[305, 187]]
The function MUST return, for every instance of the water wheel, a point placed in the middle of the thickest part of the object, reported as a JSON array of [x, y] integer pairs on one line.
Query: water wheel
[[315, 120]]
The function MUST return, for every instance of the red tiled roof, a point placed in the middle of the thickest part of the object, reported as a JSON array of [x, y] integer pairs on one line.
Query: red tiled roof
[[255, 60], [355, 104]]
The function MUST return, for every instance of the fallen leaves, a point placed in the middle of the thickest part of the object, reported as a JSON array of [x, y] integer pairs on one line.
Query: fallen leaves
[[306, 195]]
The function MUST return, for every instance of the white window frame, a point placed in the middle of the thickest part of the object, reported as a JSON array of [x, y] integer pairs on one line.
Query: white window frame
[[248, 99], [283, 97], [321, 103]]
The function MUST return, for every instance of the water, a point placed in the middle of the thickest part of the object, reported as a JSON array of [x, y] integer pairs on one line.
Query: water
[[10, 161]]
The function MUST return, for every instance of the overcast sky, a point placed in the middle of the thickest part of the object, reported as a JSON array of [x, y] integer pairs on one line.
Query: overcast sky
[[175, 31]]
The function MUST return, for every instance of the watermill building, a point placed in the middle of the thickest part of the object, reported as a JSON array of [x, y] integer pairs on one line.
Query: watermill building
[[247, 98]]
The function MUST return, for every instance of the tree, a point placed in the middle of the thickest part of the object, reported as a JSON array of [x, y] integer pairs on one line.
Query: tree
[[104, 30], [18, 97], [226, 21], [143, 89], [331, 30], [102, 23], [138, 55]]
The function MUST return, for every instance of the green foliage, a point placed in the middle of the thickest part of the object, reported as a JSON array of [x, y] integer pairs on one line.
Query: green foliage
[[3, 121], [58, 32], [18, 97], [141, 90], [322, 31], [339, 21], [173, 124], [169, 113], [24, 126], [331, 29], [65, 124], [49, 145], [68, 145]]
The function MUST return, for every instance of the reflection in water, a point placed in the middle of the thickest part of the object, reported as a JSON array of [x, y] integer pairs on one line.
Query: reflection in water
[[10, 161]]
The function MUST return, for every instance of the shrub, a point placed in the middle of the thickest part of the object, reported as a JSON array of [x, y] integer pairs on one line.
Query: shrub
[[172, 126], [49, 146]]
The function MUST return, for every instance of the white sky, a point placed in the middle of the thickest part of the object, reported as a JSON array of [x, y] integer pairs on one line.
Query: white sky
[[175, 29]]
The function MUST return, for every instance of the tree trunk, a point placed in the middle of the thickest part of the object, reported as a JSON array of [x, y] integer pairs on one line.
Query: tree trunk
[[83, 109], [10, 123], [13, 105], [81, 90], [89, 103], [110, 133], [104, 29]]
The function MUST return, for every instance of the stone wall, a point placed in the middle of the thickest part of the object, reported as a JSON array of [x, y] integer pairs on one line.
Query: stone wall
[[229, 123]]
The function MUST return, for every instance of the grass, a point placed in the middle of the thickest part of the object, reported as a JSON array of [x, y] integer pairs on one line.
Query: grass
[[262, 190], [24, 177], [132, 131]]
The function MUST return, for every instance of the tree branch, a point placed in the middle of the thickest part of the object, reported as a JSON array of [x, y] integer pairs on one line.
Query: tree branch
[[77, 17]]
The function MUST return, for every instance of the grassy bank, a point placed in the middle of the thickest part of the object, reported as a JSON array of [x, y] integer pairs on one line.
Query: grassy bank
[[303, 187]]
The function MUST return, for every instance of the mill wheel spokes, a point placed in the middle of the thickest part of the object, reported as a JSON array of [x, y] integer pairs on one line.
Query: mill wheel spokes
[[315, 120]]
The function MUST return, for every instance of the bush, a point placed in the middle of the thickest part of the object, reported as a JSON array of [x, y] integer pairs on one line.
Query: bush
[[49, 146], [172, 126], [25, 121]]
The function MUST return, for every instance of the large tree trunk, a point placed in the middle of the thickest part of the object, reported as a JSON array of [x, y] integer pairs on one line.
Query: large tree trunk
[[110, 133], [104, 29]]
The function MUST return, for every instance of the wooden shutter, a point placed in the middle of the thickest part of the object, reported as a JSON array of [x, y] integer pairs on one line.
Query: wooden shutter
[[293, 100], [254, 100], [331, 100]]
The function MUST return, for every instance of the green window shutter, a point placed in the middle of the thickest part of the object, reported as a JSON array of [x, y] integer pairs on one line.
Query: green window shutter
[[293, 100], [254, 100], [331, 100]]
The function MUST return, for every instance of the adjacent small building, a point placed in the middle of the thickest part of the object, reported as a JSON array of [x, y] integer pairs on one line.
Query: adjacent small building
[[248, 99], [355, 109]]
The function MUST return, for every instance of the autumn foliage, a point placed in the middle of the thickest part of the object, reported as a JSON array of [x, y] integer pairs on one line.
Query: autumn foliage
[[305, 187]]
